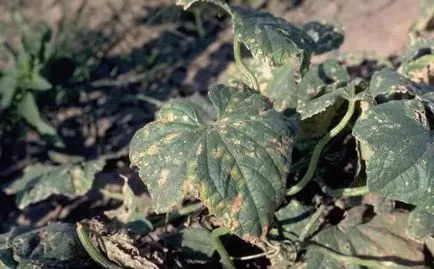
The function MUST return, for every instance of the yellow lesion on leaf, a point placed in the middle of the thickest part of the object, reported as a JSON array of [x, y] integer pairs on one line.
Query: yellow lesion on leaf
[[153, 150], [164, 176], [217, 153], [236, 203], [170, 137]]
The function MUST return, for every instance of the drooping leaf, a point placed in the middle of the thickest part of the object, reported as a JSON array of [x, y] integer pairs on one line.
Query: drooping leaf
[[41, 181], [30, 112], [293, 218], [417, 47], [53, 246], [420, 224], [327, 37], [188, 3], [381, 238], [401, 161], [273, 40], [387, 84], [236, 165]]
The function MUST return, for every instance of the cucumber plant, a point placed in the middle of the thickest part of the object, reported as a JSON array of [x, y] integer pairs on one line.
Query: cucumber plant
[[238, 161], [255, 153]]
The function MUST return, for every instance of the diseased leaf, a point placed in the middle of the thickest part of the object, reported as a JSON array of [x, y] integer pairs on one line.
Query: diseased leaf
[[293, 218], [417, 47], [420, 224], [419, 70], [282, 88], [53, 246], [387, 84], [401, 161], [41, 181], [327, 37], [30, 112], [382, 237], [236, 165], [272, 40]]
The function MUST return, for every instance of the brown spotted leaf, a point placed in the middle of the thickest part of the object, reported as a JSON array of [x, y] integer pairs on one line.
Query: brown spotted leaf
[[237, 165]]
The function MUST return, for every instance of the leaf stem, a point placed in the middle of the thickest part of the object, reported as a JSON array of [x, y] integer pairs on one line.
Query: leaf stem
[[311, 222], [242, 66], [93, 252], [369, 263], [344, 192], [319, 147], [220, 248]]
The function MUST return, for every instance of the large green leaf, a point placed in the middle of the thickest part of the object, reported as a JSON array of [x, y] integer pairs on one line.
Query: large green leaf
[[41, 181], [30, 112], [53, 246], [420, 224], [273, 40], [381, 238], [401, 161], [237, 165], [327, 37]]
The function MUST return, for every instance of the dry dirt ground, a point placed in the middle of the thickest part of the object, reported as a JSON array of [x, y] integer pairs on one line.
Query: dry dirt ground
[[379, 25]]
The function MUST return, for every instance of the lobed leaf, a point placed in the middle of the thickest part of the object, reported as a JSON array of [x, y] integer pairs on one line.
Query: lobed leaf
[[237, 165], [41, 181], [401, 161]]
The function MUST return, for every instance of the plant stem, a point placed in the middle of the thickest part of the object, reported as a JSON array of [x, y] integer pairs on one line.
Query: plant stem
[[243, 67], [187, 210], [220, 248], [369, 263], [93, 252], [319, 147], [344, 192], [311, 222]]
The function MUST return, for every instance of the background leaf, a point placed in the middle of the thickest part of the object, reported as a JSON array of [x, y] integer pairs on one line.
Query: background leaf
[[41, 181], [327, 37], [420, 224]]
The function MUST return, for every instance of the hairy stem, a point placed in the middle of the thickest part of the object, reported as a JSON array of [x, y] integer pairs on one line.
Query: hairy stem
[[319, 147], [220, 248], [311, 222], [243, 67], [369, 263]]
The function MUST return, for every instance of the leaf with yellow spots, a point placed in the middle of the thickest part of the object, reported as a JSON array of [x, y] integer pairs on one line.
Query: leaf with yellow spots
[[237, 165], [401, 163]]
